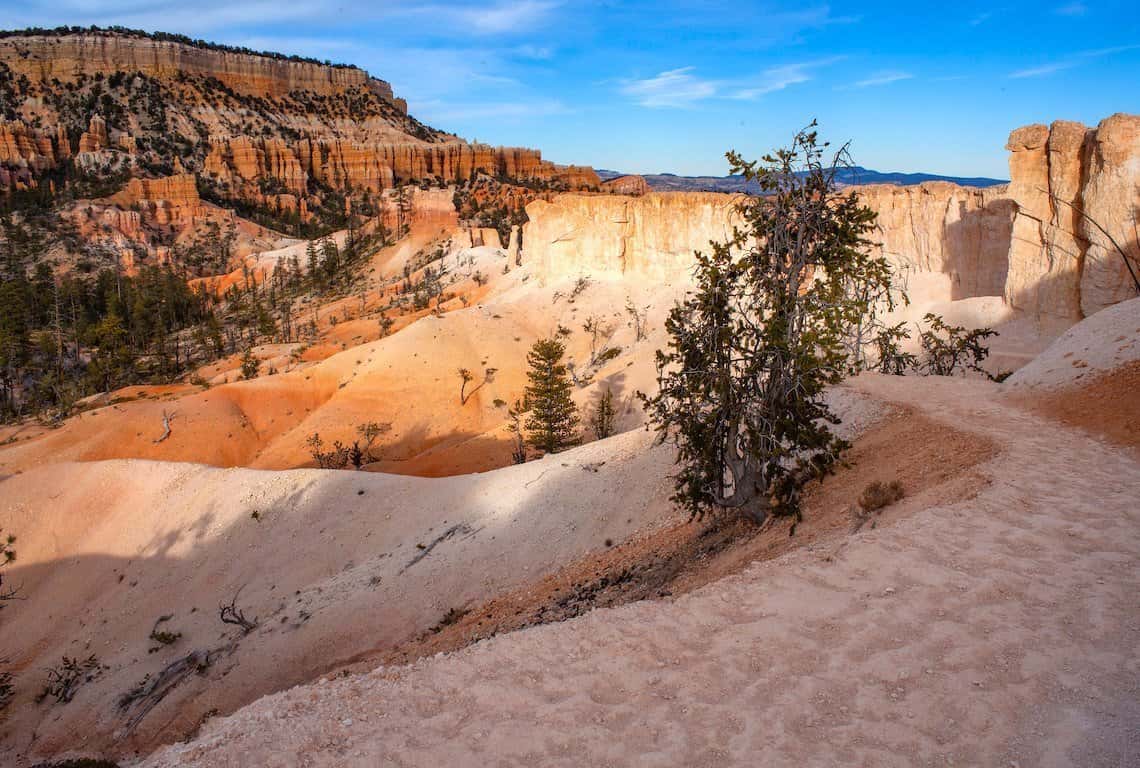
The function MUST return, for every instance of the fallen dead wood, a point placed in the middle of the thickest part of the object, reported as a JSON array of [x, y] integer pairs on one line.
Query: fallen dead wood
[[166, 419]]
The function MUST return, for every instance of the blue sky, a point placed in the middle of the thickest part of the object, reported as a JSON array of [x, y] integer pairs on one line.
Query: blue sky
[[670, 85]]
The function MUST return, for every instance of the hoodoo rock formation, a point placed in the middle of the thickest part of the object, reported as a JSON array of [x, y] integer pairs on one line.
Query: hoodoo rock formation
[[1069, 182], [259, 131], [345, 165]]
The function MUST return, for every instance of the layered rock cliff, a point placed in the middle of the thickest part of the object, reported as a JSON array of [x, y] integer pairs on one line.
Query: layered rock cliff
[[651, 237], [67, 58], [626, 185], [1077, 195], [349, 165], [1034, 242], [962, 232], [287, 138]]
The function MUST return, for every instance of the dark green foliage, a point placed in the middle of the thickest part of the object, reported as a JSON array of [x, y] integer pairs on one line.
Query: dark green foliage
[[766, 330], [892, 359], [949, 348], [479, 204], [249, 365], [332, 458], [168, 37], [64, 681], [161, 636], [602, 417], [7, 687], [552, 420], [340, 455], [7, 555]]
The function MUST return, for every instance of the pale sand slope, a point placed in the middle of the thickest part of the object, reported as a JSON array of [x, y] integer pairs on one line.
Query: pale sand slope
[[106, 548], [1001, 630], [336, 566], [1103, 342]]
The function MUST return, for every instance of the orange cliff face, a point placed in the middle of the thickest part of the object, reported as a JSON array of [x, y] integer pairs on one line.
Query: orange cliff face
[[67, 57], [259, 128], [343, 164], [1060, 261]]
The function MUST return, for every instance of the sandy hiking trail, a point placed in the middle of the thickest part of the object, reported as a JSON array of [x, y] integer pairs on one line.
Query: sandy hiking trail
[[999, 630]]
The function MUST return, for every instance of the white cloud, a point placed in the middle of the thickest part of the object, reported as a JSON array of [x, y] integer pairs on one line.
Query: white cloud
[[1071, 9], [536, 52], [1097, 52], [779, 78], [1072, 61], [508, 17], [981, 18], [1045, 69], [673, 88], [680, 88], [883, 78]]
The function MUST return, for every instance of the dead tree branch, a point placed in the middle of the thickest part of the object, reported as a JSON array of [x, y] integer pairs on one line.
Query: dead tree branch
[[166, 419], [231, 614], [1123, 254]]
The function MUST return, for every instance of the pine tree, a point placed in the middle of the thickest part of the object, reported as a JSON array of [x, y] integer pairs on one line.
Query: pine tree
[[553, 418], [249, 364], [311, 261], [330, 257], [602, 419]]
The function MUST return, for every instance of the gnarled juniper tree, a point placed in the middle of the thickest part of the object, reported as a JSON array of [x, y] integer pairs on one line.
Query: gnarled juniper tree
[[766, 330]]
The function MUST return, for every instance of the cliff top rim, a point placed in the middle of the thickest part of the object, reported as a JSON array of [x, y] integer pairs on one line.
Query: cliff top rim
[[127, 33]]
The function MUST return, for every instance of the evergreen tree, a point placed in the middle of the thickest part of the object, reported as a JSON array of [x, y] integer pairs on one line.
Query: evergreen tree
[[602, 419], [754, 347], [330, 257], [312, 262], [249, 364], [553, 418]]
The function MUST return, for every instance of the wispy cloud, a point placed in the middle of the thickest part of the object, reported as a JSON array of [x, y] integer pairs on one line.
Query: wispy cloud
[[1071, 9], [1045, 69], [779, 78], [981, 18], [1073, 60], [1098, 52], [502, 18], [883, 78], [535, 52], [679, 88], [672, 88], [507, 16]]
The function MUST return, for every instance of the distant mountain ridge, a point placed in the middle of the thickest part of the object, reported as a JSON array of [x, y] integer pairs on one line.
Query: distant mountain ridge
[[666, 182]]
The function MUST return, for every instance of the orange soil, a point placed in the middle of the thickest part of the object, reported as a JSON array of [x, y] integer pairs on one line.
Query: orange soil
[[1108, 406]]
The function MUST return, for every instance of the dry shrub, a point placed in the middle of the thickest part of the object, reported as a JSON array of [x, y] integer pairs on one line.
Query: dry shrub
[[878, 495]]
